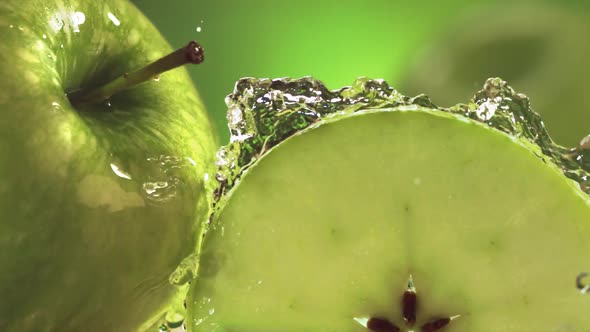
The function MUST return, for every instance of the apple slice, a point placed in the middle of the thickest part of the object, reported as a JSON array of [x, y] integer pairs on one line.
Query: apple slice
[[403, 218]]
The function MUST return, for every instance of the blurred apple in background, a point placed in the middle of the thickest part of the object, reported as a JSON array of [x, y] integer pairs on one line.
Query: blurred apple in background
[[542, 49], [337, 40]]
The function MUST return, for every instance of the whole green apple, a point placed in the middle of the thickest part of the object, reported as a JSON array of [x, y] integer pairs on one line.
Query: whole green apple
[[98, 202]]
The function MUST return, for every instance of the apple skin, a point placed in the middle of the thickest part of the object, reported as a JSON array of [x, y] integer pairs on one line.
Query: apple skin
[[98, 204]]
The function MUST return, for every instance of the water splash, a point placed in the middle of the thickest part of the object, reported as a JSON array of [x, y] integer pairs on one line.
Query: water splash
[[185, 271], [164, 180], [265, 112]]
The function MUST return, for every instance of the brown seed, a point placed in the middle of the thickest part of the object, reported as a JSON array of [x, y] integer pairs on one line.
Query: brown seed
[[381, 325], [435, 325], [409, 307], [409, 303]]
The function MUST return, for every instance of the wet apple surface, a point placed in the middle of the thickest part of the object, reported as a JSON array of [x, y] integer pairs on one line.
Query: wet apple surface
[[98, 202]]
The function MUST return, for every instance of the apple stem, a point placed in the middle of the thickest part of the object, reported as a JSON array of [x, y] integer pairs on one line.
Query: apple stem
[[191, 53]]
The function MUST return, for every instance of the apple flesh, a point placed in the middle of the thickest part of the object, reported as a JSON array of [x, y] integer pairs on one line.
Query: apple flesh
[[99, 203], [323, 231]]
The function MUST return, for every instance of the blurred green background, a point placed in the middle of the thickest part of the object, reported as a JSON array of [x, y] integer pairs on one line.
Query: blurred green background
[[445, 49]]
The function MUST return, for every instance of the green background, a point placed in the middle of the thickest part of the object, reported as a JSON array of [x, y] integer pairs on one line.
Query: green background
[[337, 41]]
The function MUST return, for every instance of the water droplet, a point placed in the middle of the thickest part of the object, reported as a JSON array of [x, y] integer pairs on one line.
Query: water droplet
[[55, 22], [200, 27], [156, 78], [162, 183], [113, 19], [190, 160], [77, 19], [222, 158], [56, 107], [211, 311], [152, 187], [584, 143], [185, 272], [487, 109], [119, 172], [234, 115]]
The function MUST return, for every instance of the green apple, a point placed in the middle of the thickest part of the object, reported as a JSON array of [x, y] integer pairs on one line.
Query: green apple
[[362, 210], [99, 202], [525, 45]]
